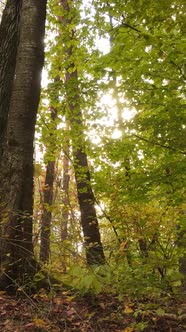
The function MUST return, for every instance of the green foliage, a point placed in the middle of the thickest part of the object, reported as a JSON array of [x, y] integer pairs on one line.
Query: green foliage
[[138, 177], [88, 280]]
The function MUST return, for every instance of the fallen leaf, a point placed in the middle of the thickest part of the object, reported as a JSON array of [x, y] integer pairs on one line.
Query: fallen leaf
[[3, 313], [160, 312], [70, 298], [29, 325], [123, 245], [128, 329], [128, 310], [102, 305], [70, 312], [40, 323], [58, 300]]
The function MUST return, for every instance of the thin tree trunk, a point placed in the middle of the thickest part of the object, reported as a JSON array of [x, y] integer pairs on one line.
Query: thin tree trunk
[[48, 197], [65, 199], [181, 243], [65, 194], [65, 213], [89, 222], [9, 38], [47, 214], [16, 169]]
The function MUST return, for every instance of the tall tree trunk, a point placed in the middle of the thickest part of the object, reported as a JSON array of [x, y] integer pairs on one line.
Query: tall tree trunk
[[47, 214], [65, 198], [181, 243], [16, 169], [65, 213], [65, 187], [89, 222], [9, 37], [48, 196], [182, 268]]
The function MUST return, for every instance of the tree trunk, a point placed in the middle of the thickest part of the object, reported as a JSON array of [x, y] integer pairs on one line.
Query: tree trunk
[[89, 222], [65, 199], [181, 243], [16, 169], [47, 214], [9, 37], [65, 213], [48, 197]]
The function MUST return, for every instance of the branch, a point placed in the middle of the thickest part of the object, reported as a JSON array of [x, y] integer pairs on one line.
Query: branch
[[179, 69], [173, 317], [109, 219], [158, 144], [129, 26], [126, 25]]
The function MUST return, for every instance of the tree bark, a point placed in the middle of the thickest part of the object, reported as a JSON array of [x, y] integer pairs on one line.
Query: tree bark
[[89, 222], [181, 243], [48, 198], [9, 37], [16, 169], [65, 194], [65, 212], [47, 214]]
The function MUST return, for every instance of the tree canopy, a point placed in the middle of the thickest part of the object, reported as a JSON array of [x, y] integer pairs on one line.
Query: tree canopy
[[101, 207]]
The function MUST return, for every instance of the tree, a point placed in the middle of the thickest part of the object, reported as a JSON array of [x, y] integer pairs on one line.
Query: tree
[[146, 164], [9, 36], [65, 212], [46, 218], [16, 177], [67, 21]]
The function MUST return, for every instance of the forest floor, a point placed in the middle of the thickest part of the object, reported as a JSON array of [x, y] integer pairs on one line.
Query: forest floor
[[104, 313]]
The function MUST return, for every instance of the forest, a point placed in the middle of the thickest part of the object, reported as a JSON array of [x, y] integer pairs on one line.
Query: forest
[[92, 165]]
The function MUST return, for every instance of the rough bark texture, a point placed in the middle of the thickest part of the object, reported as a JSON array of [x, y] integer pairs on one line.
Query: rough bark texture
[[89, 222], [9, 38], [16, 169], [48, 199]]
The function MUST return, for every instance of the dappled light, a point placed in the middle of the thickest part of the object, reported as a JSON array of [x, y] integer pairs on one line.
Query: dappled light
[[92, 166]]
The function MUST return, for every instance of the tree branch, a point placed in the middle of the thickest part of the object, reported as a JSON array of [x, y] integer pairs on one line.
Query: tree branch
[[158, 144], [109, 219]]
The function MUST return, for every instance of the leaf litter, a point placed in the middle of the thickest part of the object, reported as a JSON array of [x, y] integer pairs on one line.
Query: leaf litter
[[104, 313]]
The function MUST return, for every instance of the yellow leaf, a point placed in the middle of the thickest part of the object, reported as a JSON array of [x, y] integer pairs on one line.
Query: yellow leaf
[[2, 292], [70, 298], [123, 245], [128, 310], [128, 329], [40, 323], [58, 300]]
